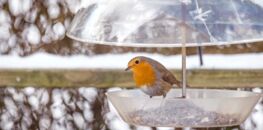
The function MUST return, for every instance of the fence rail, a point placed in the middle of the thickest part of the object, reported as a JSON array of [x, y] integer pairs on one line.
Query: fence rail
[[197, 78]]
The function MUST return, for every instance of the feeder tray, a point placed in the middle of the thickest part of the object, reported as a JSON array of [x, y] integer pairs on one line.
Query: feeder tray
[[201, 108]]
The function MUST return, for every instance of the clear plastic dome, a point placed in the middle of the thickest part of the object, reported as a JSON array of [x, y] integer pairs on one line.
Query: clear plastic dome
[[162, 23]]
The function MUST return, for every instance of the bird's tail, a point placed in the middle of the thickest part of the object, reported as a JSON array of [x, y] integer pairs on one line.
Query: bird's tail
[[179, 84]]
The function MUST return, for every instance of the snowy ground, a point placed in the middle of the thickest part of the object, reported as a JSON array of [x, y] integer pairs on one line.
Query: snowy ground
[[119, 61]]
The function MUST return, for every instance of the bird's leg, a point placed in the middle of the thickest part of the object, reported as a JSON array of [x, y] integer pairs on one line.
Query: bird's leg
[[162, 104], [145, 103]]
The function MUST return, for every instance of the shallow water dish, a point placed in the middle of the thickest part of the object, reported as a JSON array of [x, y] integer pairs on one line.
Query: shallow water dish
[[201, 108]]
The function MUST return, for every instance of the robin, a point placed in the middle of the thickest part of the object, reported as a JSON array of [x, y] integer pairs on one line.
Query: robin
[[151, 76]]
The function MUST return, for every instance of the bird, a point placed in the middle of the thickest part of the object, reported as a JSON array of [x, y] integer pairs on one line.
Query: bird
[[151, 76]]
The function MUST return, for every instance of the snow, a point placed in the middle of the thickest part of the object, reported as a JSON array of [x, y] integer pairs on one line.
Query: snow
[[258, 2], [29, 90], [33, 101], [59, 30], [119, 61], [32, 34], [4, 32], [53, 11], [19, 6]]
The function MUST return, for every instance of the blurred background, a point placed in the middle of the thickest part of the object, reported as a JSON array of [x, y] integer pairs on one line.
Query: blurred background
[[32, 36]]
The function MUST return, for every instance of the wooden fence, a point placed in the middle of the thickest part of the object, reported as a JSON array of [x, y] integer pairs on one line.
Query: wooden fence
[[197, 78]]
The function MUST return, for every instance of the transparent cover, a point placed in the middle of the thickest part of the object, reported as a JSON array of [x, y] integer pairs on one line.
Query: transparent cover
[[169, 23], [201, 108]]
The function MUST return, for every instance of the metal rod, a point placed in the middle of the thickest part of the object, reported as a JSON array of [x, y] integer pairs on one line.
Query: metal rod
[[183, 50], [184, 70], [200, 53]]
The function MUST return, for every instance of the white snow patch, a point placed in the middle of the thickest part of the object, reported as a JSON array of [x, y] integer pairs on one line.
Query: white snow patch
[[57, 111], [88, 93], [10, 106], [59, 30], [19, 6], [4, 17], [88, 115], [44, 123], [18, 97], [29, 91], [119, 61], [32, 34], [258, 2], [117, 124], [34, 102], [143, 128], [53, 11], [4, 32], [78, 120]]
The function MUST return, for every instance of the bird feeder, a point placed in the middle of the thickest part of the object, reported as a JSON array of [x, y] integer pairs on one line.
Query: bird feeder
[[174, 23]]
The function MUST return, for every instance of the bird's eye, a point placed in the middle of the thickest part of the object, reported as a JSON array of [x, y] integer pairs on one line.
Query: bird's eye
[[137, 62]]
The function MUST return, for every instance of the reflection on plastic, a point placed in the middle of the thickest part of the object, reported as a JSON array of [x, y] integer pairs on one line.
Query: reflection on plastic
[[158, 22]]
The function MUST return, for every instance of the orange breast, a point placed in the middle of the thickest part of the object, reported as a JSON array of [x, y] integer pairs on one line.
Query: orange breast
[[143, 74]]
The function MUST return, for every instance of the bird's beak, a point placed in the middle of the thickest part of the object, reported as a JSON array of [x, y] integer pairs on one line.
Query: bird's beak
[[128, 68]]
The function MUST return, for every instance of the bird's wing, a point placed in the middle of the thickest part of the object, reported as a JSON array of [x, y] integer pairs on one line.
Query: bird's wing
[[165, 74], [170, 78]]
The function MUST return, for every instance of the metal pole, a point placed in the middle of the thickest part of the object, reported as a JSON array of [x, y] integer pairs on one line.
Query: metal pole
[[184, 70], [200, 53], [183, 51]]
